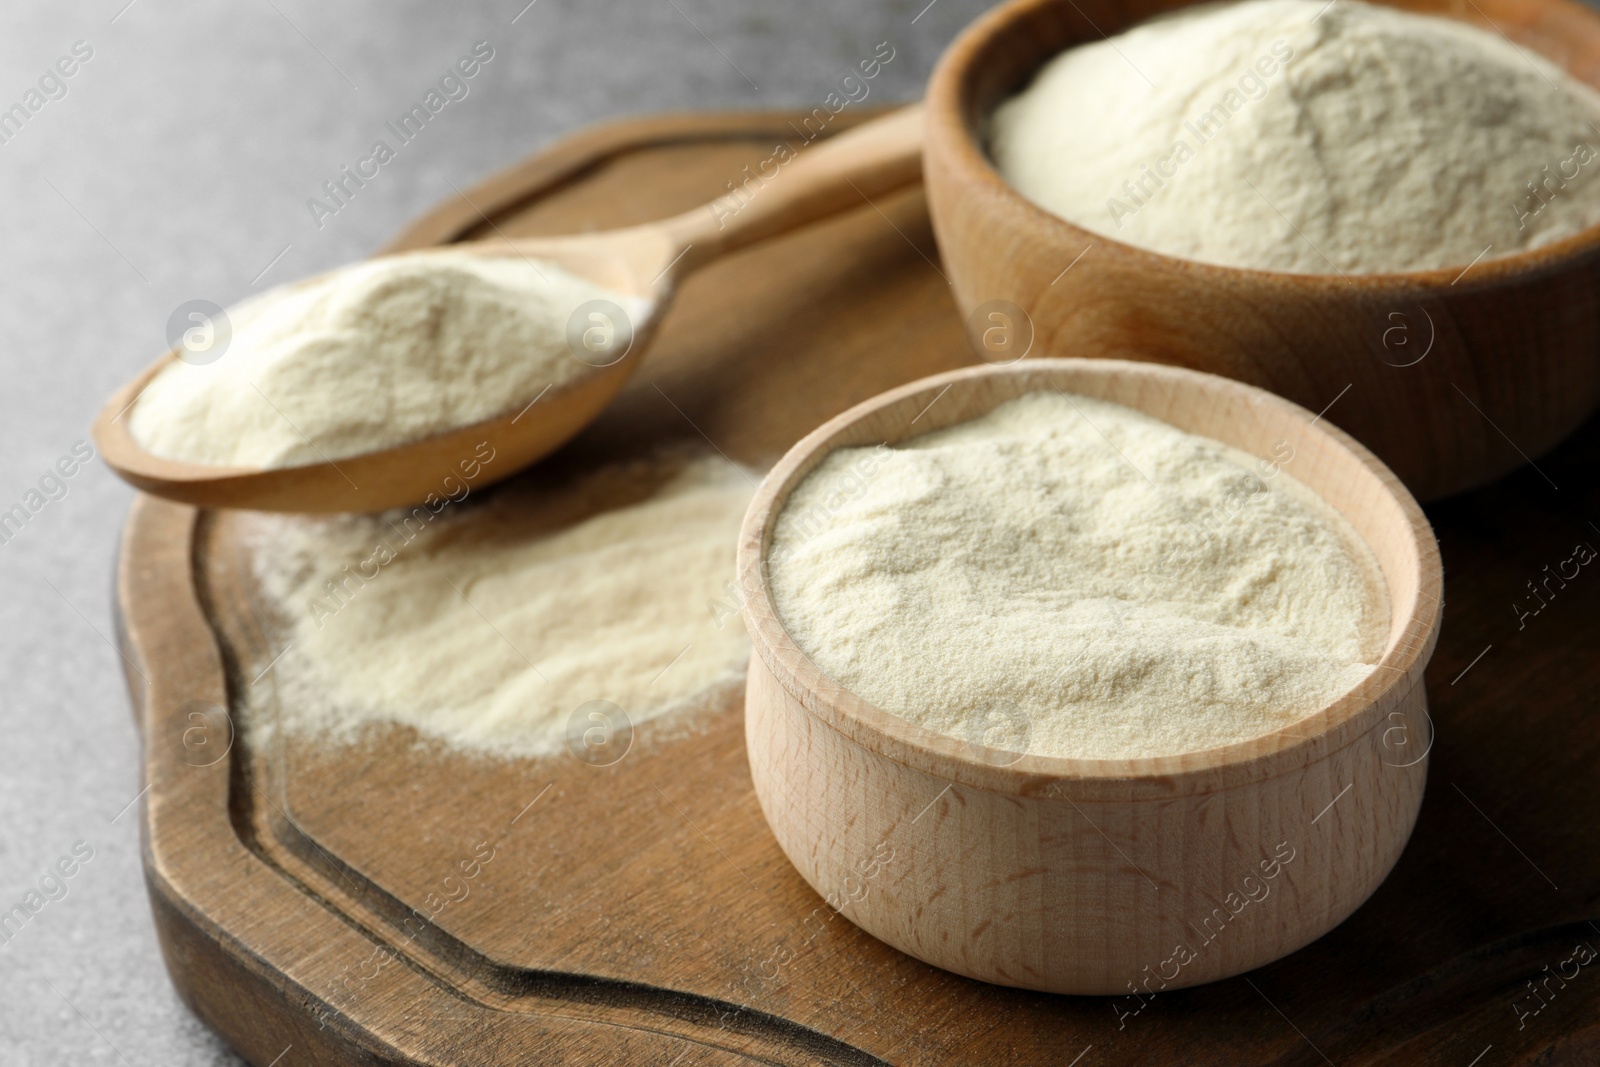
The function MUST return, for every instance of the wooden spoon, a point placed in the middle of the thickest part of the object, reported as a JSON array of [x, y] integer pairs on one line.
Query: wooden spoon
[[643, 262]]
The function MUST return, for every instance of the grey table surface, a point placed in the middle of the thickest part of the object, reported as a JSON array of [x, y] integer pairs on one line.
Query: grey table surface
[[177, 165]]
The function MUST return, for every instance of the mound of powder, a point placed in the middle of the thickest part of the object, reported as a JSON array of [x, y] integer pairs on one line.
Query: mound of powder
[[487, 628], [1069, 577], [368, 357], [1295, 135]]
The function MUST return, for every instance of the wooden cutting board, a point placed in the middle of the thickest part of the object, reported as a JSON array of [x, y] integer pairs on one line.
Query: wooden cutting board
[[321, 904]]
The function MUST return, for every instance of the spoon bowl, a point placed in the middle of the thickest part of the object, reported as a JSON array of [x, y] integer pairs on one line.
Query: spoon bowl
[[417, 472]]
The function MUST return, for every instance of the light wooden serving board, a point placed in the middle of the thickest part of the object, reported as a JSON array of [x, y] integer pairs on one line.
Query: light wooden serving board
[[322, 904]]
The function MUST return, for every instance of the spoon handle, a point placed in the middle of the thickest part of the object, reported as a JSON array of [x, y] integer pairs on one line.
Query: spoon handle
[[793, 187]]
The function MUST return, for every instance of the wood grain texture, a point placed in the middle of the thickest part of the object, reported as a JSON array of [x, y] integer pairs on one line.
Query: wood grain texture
[[1034, 871], [1510, 366], [646, 261], [643, 912]]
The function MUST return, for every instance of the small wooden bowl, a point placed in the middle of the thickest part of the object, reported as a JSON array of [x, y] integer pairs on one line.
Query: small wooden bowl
[[1454, 376], [1098, 876]]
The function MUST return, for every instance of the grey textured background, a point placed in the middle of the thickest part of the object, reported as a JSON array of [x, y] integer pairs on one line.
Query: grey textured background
[[177, 167]]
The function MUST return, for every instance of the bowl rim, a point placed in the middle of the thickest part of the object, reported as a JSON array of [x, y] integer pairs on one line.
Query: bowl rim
[[951, 137], [1293, 746]]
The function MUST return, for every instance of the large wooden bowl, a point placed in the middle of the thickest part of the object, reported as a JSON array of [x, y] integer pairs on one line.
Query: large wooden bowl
[[1454, 376], [1096, 876]]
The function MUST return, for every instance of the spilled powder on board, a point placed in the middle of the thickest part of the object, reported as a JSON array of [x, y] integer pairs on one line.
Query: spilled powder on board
[[487, 628]]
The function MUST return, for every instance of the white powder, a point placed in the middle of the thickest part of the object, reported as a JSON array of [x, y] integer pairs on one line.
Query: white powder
[[1363, 140], [372, 356], [489, 627], [1072, 578]]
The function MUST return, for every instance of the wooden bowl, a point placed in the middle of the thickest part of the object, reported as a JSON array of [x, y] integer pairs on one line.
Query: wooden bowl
[[1454, 376], [1098, 876]]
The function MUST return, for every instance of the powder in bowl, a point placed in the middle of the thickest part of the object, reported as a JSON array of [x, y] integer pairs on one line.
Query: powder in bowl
[[1299, 135], [372, 356], [1123, 588]]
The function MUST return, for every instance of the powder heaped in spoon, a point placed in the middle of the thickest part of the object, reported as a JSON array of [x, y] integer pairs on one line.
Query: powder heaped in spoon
[[373, 356]]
